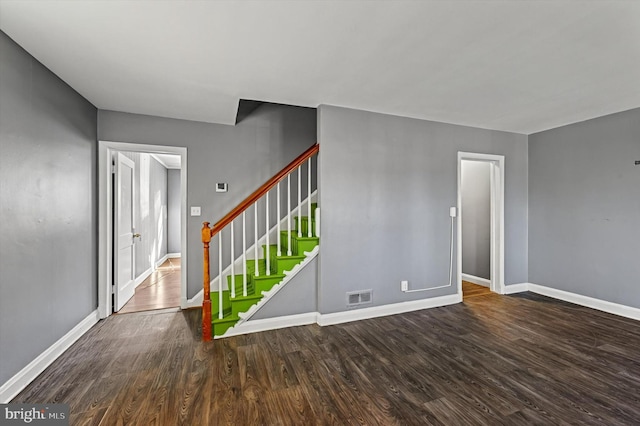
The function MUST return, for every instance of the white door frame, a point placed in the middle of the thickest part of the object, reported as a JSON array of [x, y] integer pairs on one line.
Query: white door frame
[[105, 217], [496, 163]]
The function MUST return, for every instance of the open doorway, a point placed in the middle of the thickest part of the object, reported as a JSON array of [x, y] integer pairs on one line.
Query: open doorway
[[142, 227], [480, 224], [155, 230]]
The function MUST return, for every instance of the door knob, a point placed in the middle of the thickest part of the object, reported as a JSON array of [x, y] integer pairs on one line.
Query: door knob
[[137, 235]]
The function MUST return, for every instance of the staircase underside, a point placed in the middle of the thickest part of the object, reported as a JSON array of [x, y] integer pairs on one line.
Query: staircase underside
[[258, 282]]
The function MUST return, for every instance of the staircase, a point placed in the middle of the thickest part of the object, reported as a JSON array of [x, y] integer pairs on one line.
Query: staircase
[[259, 285], [232, 298]]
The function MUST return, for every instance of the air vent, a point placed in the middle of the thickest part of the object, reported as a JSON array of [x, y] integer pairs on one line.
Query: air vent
[[359, 298]]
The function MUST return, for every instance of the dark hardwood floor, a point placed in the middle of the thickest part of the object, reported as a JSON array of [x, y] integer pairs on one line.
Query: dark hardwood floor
[[491, 360]]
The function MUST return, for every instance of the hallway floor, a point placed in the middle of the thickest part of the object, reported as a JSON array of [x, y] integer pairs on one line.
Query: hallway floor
[[473, 290], [159, 291]]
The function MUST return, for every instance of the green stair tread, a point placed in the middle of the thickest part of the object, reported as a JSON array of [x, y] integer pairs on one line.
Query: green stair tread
[[241, 298], [292, 257], [305, 238], [272, 276]]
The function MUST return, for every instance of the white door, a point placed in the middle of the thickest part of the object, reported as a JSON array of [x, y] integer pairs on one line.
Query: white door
[[124, 262]]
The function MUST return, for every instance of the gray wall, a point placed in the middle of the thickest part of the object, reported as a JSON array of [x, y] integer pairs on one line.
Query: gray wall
[[244, 156], [584, 208], [386, 184], [297, 297], [150, 210], [173, 211], [156, 219], [476, 219], [48, 208]]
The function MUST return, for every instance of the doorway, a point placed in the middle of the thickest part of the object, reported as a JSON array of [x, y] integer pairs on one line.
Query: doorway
[[158, 267], [481, 254]]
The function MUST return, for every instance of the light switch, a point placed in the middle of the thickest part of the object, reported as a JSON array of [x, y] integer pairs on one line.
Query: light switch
[[195, 211]]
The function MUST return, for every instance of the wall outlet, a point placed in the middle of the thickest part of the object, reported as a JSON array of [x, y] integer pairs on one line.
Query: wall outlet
[[404, 285]]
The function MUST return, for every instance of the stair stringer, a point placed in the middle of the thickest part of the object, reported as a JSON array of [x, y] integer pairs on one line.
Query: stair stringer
[[268, 295]]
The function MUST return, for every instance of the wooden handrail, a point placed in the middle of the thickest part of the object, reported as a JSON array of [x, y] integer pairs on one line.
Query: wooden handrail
[[237, 211]]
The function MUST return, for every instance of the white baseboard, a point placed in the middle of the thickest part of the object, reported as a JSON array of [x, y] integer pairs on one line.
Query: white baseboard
[[516, 288], [165, 257], [256, 326], [195, 301], [392, 309], [476, 280], [161, 261], [589, 302], [143, 277], [25, 376]]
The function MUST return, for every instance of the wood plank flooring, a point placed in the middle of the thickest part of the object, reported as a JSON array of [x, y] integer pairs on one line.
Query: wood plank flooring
[[473, 290], [491, 360], [159, 291]]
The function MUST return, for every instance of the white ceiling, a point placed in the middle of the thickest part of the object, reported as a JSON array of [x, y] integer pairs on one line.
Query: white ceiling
[[521, 66], [169, 161]]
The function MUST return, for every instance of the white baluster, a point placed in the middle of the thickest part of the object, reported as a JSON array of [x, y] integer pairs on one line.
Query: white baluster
[[299, 224], [267, 251], [309, 198], [233, 266], [255, 237], [278, 221], [220, 275], [289, 214], [244, 255]]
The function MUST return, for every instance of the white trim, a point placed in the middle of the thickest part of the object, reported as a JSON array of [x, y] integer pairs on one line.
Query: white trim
[[195, 301], [105, 261], [476, 280], [497, 163], [173, 255], [143, 276], [267, 324], [589, 302], [268, 295], [516, 288], [392, 309], [19, 381], [161, 261]]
